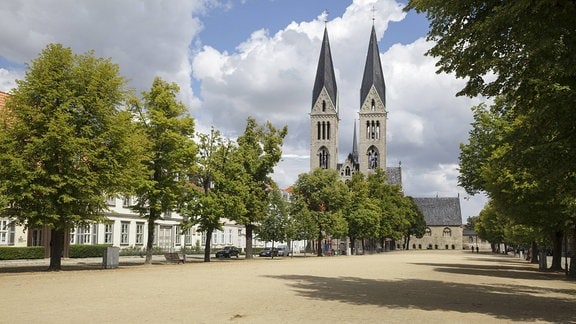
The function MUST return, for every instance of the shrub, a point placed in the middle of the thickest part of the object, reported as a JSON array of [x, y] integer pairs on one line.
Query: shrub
[[21, 252], [88, 251]]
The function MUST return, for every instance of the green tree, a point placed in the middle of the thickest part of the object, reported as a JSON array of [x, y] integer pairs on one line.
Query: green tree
[[363, 214], [416, 221], [215, 191], [324, 199], [170, 132], [68, 144], [275, 225], [259, 150], [520, 52]]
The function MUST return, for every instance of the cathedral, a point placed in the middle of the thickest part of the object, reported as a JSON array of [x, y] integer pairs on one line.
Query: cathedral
[[443, 215], [369, 152]]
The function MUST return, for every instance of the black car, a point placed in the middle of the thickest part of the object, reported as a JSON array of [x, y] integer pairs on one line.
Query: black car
[[227, 252], [268, 252]]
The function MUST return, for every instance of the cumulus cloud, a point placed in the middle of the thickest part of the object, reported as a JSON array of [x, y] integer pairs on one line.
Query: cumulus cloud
[[146, 38]]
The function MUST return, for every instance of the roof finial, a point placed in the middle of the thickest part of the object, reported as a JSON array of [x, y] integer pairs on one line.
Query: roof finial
[[325, 16], [373, 14]]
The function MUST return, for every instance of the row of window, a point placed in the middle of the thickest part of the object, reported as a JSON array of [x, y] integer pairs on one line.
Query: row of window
[[445, 232], [89, 234]]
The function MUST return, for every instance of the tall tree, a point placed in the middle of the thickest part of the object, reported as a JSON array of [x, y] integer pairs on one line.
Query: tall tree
[[259, 150], [68, 144], [522, 52], [170, 132], [363, 213], [216, 187], [325, 198], [275, 225]]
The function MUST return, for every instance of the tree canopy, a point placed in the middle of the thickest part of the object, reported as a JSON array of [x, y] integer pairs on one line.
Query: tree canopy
[[68, 143], [169, 130]]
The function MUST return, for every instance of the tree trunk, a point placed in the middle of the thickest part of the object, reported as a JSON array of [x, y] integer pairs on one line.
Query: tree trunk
[[353, 245], [207, 246], [56, 249], [557, 251], [571, 272], [534, 253], [407, 242], [319, 246], [150, 241], [249, 233]]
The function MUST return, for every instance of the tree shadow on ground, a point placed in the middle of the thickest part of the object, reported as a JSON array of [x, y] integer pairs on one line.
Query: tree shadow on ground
[[509, 302], [526, 272]]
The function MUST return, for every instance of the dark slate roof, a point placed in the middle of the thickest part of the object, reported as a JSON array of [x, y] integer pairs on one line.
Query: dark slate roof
[[373, 75], [394, 175], [440, 211], [325, 77]]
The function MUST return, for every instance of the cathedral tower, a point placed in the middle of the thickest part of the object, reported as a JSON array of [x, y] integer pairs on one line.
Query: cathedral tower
[[324, 114], [372, 114]]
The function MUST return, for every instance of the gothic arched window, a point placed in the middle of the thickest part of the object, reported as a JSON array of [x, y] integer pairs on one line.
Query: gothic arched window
[[372, 158], [373, 105], [428, 232], [347, 171], [323, 158], [323, 105], [328, 130], [447, 232], [319, 129]]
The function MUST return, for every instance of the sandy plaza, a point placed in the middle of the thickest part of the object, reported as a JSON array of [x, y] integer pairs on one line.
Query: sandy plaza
[[394, 287]]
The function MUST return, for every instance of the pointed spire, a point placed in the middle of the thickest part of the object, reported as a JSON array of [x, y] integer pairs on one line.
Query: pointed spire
[[325, 77], [355, 146], [373, 75]]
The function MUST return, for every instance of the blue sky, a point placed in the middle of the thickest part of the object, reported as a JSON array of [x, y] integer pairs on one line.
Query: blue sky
[[235, 59]]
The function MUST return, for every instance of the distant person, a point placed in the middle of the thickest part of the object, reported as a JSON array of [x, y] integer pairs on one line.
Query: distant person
[[477, 249]]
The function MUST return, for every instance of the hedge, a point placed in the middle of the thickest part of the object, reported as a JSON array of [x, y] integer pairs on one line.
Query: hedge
[[21, 252], [88, 251]]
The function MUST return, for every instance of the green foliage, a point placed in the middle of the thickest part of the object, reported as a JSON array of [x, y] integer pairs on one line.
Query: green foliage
[[274, 226], [67, 144], [88, 251], [322, 200], [17, 253], [522, 54], [140, 251], [217, 186], [169, 130], [259, 150]]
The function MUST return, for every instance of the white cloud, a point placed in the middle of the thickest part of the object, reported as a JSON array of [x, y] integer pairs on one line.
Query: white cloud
[[8, 79], [146, 38]]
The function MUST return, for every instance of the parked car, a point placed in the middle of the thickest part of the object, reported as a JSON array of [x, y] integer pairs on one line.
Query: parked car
[[227, 252], [269, 252], [284, 250]]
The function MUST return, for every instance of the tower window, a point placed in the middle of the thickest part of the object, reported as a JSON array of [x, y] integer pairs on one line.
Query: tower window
[[372, 158], [347, 171], [373, 105], [323, 158], [323, 105], [318, 128], [328, 130]]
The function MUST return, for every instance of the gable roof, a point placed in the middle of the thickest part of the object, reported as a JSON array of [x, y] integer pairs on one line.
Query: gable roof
[[443, 211]]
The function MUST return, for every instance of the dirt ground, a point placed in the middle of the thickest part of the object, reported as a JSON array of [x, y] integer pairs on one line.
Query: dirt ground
[[395, 287]]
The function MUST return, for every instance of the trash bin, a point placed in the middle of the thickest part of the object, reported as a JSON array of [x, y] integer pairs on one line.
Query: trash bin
[[110, 258]]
